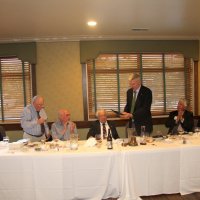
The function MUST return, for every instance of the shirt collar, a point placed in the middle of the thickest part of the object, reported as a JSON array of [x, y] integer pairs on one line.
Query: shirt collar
[[137, 91], [59, 122], [33, 107], [103, 123]]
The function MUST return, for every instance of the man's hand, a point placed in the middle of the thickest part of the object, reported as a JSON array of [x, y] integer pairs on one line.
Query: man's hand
[[40, 120], [48, 135], [126, 115], [72, 126], [180, 116]]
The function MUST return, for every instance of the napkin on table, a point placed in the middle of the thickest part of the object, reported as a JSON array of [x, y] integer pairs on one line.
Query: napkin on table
[[91, 142]]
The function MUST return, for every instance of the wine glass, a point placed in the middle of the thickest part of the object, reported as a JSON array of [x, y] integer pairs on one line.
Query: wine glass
[[98, 139], [196, 130]]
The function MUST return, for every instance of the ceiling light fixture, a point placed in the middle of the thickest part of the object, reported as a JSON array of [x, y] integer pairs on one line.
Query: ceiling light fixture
[[140, 29], [92, 23]]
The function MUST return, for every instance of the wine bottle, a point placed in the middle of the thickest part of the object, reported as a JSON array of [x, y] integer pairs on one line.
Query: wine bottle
[[109, 140]]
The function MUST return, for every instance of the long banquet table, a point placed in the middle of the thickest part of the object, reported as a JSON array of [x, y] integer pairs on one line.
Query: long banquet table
[[93, 173]]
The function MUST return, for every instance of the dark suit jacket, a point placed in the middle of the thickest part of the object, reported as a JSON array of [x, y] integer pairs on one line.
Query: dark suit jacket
[[95, 129], [2, 133], [198, 123], [142, 110], [187, 124]]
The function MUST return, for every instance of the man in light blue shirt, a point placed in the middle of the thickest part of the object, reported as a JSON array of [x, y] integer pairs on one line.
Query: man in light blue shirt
[[62, 128], [33, 120]]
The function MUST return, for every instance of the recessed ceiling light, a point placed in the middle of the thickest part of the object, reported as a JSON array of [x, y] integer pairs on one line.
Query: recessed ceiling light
[[92, 23]]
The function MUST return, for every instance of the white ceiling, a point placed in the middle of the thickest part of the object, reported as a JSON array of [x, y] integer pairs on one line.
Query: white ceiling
[[63, 20]]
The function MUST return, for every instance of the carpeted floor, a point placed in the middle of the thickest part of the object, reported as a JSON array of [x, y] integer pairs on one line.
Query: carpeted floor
[[194, 196]]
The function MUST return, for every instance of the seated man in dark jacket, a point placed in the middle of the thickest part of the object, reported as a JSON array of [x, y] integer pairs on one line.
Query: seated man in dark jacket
[[2, 133], [198, 123], [101, 126], [180, 120]]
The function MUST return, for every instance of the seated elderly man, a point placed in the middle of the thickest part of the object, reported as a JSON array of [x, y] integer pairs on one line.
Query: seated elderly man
[[181, 119], [62, 128], [102, 125]]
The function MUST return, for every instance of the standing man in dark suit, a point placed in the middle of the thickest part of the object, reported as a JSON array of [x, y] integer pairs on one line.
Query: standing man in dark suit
[[138, 105], [102, 125], [180, 120]]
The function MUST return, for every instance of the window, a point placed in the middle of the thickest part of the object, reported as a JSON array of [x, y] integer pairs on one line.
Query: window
[[169, 76], [15, 87]]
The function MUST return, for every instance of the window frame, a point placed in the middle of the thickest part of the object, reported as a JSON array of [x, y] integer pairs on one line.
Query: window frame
[[85, 88], [32, 83]]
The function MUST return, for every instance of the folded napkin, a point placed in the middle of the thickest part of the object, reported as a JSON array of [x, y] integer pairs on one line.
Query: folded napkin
[[24, 141], [3, 145], [168, 140], [91, 142], [15, 145]]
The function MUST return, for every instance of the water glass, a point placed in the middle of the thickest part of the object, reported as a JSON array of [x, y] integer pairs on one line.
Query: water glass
[[132, 136], [143, 135], [73, 141], [6, 139], [98, 139], [131, 133], [196, 130]]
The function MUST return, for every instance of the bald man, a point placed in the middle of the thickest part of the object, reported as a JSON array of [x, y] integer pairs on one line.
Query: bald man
[[62, 128], [33, 120], [97, 126]]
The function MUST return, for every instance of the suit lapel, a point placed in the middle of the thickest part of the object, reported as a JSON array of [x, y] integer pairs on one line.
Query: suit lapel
[[99, 126]]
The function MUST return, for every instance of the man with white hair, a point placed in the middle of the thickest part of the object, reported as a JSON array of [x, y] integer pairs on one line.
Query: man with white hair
[[180, 120], [102, 125], [33, 121], [62, 128]]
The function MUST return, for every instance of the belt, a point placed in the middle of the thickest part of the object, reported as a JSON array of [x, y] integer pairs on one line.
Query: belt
[[35, 135]]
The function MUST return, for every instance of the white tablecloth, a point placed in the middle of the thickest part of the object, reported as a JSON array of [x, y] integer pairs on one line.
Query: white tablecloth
[[70, 176], [190, 170], [97, 173], [151, 172]]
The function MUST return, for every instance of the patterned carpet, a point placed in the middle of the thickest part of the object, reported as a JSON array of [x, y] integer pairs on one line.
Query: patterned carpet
[[194, 196]]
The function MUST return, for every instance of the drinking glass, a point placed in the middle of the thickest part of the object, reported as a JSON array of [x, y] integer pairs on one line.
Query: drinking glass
[[6, 139], [73, 141], [132, 136], [143, 135], [180, 133], [130, 132], [98, 139], [196, 130]]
